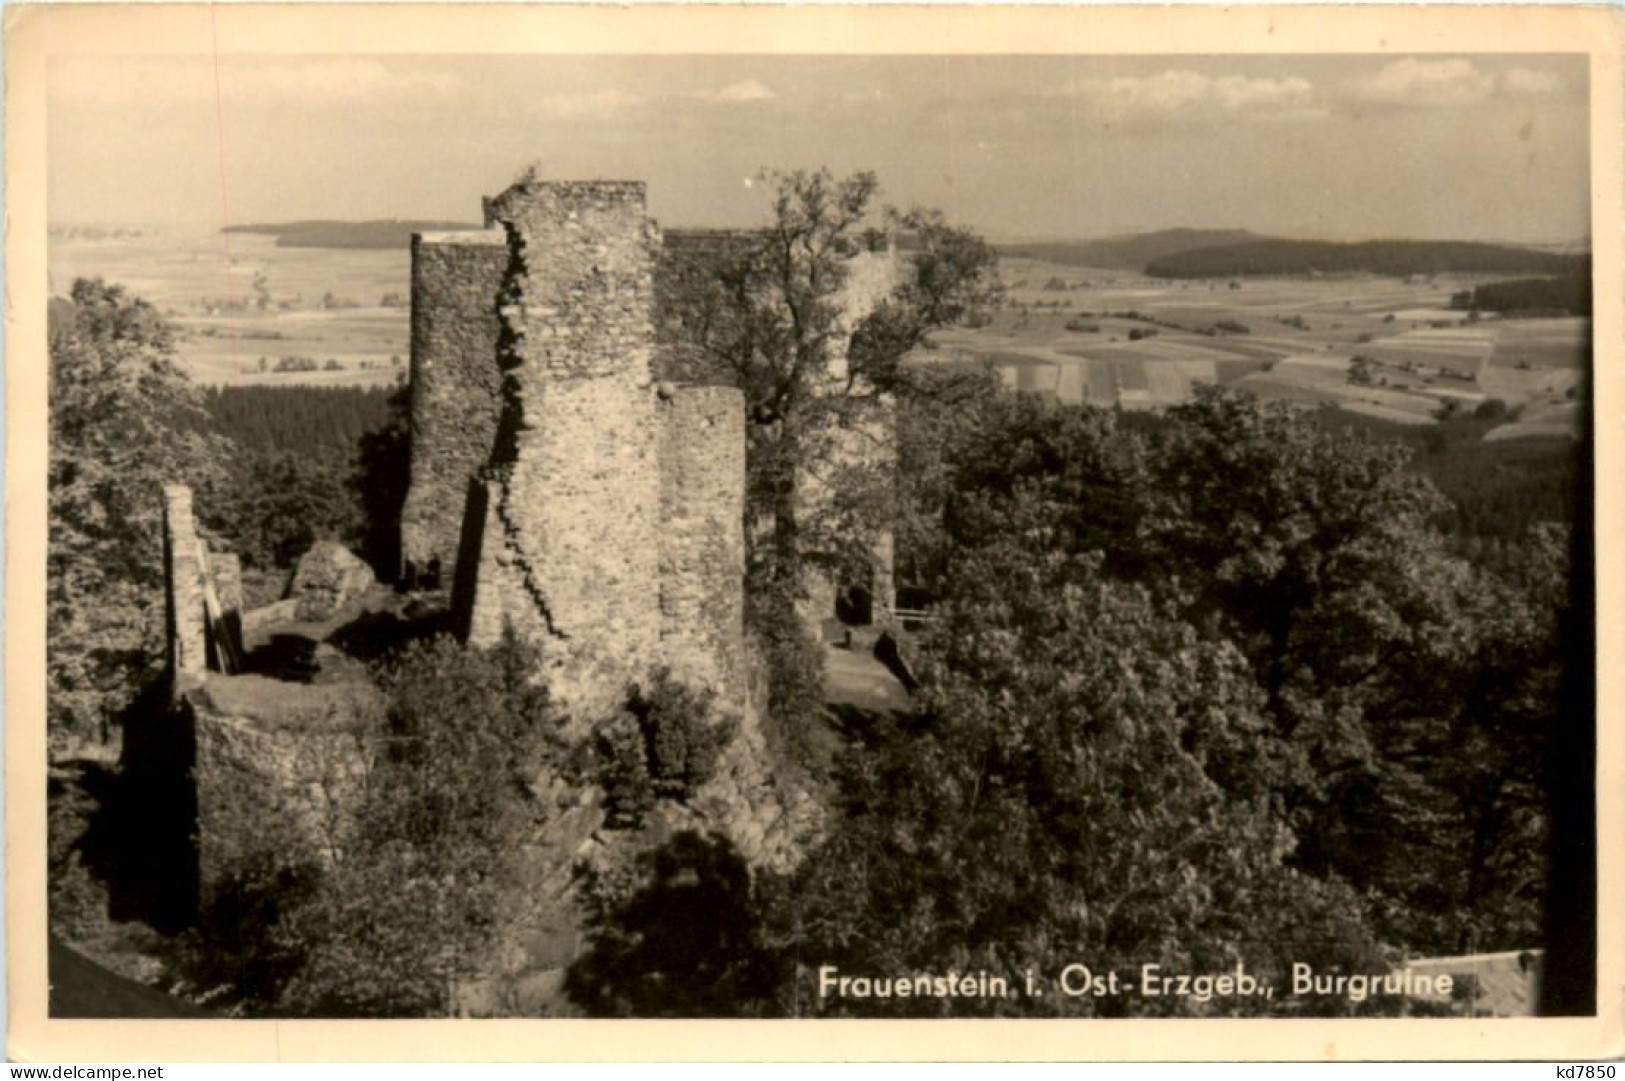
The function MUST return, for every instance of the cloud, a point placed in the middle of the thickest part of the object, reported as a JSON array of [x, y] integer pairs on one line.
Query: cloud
[[619, 105], [1443, 84], [586, 105], [738, 93], [331, 80], [109, 81], [1420, 84], [1525, 83], [1178, 96]]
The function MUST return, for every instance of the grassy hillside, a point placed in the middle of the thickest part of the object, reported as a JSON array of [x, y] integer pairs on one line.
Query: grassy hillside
[[1398, 258]]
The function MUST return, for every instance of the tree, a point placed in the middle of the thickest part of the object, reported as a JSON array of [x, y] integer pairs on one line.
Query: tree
[[769, 315], [770, 321], [937, 421], [262, 292], [279, 503], [1317, 556], [125, 421], [1086, 777], [380, 478]]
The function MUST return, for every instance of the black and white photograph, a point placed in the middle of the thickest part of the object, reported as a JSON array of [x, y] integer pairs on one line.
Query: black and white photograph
[[773, 534]]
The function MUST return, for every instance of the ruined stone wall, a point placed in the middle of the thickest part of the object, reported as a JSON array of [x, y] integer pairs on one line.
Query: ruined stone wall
[[277, 767], [591, 300], [456, 380], [183, 586], [865, 443], [870, 278], [689, 260], [456, 387], [575, 502], [202, 597], [702, 537], [226, 574]]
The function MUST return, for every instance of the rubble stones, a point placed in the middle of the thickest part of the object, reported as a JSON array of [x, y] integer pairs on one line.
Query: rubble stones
[[329, 577]]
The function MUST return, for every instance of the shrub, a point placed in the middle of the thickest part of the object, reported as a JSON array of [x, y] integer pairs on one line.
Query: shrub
[[729, 960], [1082, 326], [427, 868], [1362, 371], [788, 675], [683, 739], [1141, 332], [621, 763], [1230, 326], [666, 744]]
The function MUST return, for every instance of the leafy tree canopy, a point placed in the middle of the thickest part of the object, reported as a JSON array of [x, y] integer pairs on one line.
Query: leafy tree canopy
[[124, 422]]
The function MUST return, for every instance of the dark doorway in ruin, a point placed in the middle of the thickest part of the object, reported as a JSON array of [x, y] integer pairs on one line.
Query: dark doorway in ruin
[[287, 657], [415, 579], [855, 606]]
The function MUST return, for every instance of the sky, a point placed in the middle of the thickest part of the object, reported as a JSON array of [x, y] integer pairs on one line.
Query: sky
[[1464, 147]]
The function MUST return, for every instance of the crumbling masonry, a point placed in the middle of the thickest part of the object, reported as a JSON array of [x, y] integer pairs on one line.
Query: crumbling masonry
[[203, 600], [608, 523], [537, 418], [560, 489], [255, 742]]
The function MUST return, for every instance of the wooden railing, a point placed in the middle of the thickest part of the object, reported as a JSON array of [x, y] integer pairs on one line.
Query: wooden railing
[[906, 616]]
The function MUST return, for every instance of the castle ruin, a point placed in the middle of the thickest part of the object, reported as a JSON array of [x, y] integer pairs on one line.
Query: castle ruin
[[561, 490], [568, 491], [607, 524]]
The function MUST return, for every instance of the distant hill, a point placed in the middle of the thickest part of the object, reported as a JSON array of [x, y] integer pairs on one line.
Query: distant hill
[[381, 234], [1398, 258], [1129, 252]]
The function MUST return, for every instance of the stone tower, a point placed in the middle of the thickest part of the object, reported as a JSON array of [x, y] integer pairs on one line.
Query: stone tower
[[565, 522], [456, 389]]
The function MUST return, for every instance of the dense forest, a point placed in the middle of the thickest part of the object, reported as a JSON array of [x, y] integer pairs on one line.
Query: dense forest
[[1129, 252], [1569, 295], [321, 421], [1396, 258]]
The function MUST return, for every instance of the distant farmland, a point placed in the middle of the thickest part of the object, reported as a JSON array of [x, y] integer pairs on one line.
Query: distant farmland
[[382, 235], [1084, 334], [236, 298], [1110, 337]]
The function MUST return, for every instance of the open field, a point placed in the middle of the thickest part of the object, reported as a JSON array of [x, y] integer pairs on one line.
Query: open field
[[1114, 337], [1081, 334], [237, 299]]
